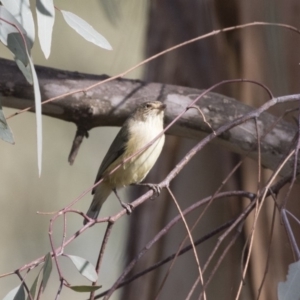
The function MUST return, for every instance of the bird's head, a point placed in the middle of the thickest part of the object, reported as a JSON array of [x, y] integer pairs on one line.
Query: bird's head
[[149, 110]]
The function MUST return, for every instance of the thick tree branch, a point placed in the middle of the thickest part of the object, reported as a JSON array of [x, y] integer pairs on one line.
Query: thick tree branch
[[109, 104]]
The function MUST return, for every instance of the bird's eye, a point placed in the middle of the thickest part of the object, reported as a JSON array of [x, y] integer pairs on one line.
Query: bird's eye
[[148, 105]]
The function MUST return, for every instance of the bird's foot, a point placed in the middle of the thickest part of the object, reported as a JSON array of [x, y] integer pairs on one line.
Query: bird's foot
[[154, 187], [128, 207]]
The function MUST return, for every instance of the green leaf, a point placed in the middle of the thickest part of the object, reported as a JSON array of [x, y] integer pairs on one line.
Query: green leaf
[[20, 9], [5, 132], [85, 288], [84, 267], [33, 287], [45, 16], [290, 289], [47, 270], [16, 294], [86, 30]]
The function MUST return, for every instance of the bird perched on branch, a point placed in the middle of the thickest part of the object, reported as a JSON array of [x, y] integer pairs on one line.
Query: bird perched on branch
[[141, 127]]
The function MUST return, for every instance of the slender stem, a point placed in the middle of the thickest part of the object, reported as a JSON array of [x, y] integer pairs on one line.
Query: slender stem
[[101, 253]]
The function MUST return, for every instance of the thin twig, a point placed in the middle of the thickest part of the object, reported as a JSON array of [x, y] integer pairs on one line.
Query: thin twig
[[59, 289], [101, 253], [290, 234], [166, 229], [259, 157], [237, 221], [204, 210], [172, 256], [293, 216], [268, 252], [263, 197], [295, 169], [222, 256], [24, 285], [203, 117], [54, 251], [192, 243]]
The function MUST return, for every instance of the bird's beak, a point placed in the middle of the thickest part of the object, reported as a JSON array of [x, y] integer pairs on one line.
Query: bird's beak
[[162, 106]]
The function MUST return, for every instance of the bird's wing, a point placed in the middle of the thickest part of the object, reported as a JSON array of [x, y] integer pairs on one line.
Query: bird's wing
[[116, 149]]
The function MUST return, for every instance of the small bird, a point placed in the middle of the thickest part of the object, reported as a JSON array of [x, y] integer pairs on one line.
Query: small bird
[[140, 128]]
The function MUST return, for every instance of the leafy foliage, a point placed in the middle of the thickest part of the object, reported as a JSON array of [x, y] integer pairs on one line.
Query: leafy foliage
[[17, 34]]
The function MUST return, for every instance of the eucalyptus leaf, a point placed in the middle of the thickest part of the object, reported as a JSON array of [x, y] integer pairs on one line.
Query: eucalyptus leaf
[[5, 132], [20, 9], [26, 70], [20, 293], [290, 289], [38, 114], [18, 44], [47, 270], [15, 294], [85, 288], [85, 30], [33, 287], [10, 35], [45, 12], [84, 267]]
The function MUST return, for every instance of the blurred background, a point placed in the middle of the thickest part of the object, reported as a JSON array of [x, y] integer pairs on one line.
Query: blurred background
[[137, 29]]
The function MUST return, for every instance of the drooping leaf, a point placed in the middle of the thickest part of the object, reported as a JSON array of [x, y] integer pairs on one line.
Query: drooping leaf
[[26, 70], [38, 115], [47, 270], [290, 289], [18, 44], [85, 30], [16, 294], [10, 35], [45, 16], [21, 11], [85, 288], [33, 287], [84, 267], [5, 132]]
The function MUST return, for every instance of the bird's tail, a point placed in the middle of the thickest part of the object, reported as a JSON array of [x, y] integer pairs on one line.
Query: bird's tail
[[101, 194]]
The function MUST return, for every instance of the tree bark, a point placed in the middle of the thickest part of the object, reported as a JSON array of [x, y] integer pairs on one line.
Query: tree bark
[[109, 104]]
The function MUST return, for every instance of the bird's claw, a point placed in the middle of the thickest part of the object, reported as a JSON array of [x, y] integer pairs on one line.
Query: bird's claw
[[154, 187], [128, 207], [156, 190]]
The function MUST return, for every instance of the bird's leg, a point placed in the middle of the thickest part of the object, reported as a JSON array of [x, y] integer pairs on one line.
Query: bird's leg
[[127, 206], [154, 187]]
